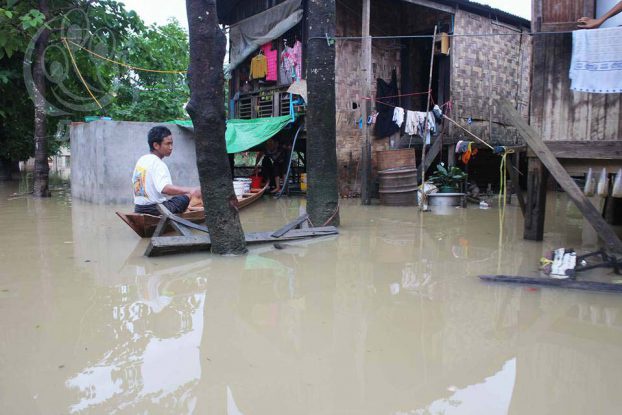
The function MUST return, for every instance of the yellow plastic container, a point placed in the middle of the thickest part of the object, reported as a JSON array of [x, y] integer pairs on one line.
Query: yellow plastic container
[[303, 182]]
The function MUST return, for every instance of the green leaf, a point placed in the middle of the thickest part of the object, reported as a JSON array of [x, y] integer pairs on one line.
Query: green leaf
[[8, 14]]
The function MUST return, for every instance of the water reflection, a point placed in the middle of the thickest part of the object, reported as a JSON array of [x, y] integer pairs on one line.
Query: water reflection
[[388, 317]]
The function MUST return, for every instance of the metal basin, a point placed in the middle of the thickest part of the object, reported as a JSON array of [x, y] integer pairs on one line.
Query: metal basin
[[446, 199]]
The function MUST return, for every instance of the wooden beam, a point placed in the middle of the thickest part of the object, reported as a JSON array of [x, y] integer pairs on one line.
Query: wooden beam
[[535, 207], [552, 282], [575, 194], [607, 150], [165, 245], [366, 79], [430, 155], [432, 5], [293, 224]]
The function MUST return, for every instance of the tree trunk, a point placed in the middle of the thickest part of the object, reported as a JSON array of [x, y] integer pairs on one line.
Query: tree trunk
[[207, 110], [42, 169], [322, 193]]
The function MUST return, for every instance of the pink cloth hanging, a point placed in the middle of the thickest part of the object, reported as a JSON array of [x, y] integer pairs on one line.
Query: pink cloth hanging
[[272, 60], [297, 54]]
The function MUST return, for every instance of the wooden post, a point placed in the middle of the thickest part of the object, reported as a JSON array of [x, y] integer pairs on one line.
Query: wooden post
[[423, 203], [366, 67], [533, 139], [535, 209]]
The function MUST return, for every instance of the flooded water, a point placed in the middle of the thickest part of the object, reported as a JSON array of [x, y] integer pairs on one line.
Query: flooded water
[[387, 318]]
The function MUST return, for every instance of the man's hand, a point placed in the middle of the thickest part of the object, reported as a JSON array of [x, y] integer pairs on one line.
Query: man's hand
[[588, 23], [195, 193]]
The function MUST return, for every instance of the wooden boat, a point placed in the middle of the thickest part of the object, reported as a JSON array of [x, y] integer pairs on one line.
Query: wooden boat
[[144, 225]]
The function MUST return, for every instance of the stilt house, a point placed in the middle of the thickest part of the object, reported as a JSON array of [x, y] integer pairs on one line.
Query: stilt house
[[582, 129], [481, 55]]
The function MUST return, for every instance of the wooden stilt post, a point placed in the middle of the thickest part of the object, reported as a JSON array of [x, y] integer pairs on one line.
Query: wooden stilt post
[[537, 178], [423, 203], [548, 159], [366, 67]]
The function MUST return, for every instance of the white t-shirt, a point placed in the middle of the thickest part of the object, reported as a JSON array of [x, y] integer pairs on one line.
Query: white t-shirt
[[149, 178]]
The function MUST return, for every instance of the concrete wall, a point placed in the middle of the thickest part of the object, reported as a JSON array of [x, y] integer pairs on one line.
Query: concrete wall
[[103, 155]]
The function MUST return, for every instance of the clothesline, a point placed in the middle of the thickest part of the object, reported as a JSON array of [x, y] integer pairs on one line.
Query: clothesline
[[398, 96], [431, 36]]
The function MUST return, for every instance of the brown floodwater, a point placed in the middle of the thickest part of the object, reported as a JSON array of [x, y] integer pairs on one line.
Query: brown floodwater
[[387, 318]]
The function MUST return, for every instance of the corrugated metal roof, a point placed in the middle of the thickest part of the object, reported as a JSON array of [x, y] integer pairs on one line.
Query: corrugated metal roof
[[226, 7]]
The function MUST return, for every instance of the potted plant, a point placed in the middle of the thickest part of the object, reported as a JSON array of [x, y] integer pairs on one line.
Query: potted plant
[[448, 180]]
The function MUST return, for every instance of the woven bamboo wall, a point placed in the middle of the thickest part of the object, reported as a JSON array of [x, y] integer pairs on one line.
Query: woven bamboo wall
[[487, 69]]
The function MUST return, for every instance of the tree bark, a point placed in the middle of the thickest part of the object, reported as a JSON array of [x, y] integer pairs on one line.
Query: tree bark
[[322, 193], [207, 110], [42, 168]]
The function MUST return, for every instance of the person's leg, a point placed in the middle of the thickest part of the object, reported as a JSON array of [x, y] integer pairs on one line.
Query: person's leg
[[177, 204], [267, 170], [147, 209]]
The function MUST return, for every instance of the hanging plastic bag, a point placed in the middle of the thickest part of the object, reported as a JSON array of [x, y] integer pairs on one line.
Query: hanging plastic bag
[[603, 184], [617, 185], [590, 183]]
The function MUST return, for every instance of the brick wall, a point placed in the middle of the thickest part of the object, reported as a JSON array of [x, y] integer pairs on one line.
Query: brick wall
[[348, 78]]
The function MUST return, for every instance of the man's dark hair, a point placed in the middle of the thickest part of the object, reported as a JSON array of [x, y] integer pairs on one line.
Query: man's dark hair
[[156, 135]]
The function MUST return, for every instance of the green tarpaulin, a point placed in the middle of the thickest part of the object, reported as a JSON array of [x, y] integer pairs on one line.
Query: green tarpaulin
[[244, 134]]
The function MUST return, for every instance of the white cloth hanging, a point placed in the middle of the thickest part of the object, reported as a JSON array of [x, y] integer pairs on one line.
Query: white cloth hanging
[[596, 64], [398, 116]]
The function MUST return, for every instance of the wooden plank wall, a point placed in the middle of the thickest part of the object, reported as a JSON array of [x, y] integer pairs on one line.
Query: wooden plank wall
[[557, 113]]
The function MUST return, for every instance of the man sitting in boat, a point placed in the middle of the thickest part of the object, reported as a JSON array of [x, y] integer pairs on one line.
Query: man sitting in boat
[[152, 180]]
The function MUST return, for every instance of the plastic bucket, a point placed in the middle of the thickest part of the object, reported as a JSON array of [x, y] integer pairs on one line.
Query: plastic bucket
[[303, 182], [238, 188], [246, 182], [256, 182]]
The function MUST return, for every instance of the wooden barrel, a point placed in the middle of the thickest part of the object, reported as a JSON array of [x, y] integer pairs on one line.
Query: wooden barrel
[[398, 187], [391, 159]]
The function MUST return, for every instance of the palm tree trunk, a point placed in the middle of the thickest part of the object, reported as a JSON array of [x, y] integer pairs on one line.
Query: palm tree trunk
[[323, 193], [207, 110]]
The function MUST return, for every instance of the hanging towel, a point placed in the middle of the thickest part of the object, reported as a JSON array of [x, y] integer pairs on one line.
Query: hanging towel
[[410, 127], [398, 116], [596, 64]]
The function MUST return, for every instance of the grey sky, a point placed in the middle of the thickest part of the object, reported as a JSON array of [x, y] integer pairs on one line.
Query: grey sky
[[158, 11]]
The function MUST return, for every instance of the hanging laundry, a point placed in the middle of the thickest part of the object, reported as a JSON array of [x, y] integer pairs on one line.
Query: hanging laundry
[[297, 54], [459, 146], [372, 118], [271, 61], [596, 64], [259, 67], [384, 122], [469, 153], [410, 127], [288, 65], [398, 116]]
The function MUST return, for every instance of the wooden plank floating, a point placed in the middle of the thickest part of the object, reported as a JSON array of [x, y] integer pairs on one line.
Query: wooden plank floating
[[552, 282], [547, 158], [293, 224], [168, 215], [165, 245]]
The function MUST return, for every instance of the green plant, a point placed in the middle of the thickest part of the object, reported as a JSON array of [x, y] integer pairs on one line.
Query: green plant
[[450, 178]]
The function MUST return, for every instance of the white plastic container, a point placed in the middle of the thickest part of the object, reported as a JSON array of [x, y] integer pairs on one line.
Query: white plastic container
[[239, 188]]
